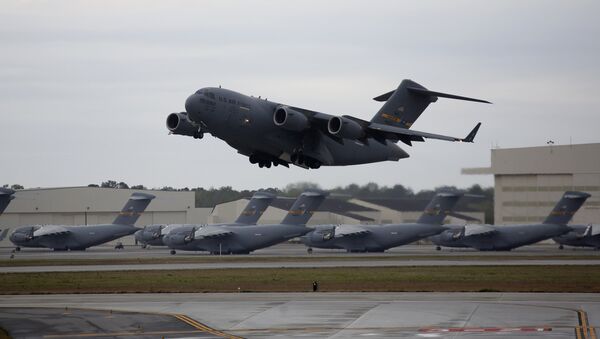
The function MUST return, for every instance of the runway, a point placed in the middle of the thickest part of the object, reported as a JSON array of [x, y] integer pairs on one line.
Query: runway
[[284, 256], [286, 249], [345, 315]]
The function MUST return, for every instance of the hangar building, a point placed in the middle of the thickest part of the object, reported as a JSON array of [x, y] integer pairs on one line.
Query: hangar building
[[529, 181]]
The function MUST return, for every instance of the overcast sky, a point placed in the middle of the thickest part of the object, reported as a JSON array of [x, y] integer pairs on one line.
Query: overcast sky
[[85, 86]]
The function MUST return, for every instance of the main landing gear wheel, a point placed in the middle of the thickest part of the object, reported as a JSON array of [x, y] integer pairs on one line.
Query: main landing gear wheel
[[173, 252], [560, 247], [198, 135], [438, 248]]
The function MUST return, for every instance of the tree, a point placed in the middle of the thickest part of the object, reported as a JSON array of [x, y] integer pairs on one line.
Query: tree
[[17, 187], [109, 184], [138, 187]]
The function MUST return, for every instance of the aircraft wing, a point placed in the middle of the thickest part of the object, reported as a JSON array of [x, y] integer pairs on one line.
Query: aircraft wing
[[382, 132], [349, 231], [478, 230], [47, 230], [408, 135], [592, 230], [211, 232]]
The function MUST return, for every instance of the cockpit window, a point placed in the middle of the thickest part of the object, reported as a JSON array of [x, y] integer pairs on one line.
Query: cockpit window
[[199, 91]]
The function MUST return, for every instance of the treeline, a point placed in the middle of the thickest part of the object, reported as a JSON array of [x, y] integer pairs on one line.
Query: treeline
[[214, 196]]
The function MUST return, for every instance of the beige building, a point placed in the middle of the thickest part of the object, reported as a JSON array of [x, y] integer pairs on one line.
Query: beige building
[[529, 181]]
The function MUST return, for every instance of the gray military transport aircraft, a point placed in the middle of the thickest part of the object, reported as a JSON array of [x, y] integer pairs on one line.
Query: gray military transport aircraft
[[61, 238], [236, 239], [6, 195], [153, 234], [271, 133], [580, 236], [378, 238], [507, 237]]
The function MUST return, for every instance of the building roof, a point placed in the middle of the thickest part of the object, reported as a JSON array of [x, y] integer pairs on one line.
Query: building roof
[[552, 159], [414, 205]]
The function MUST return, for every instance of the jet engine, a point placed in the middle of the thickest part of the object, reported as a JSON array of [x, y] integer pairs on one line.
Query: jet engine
[[179, 123], [289, 119], [345, 128], [322, 234], [22, 235]]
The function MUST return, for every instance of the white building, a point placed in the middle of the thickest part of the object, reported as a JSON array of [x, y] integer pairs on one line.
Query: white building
[[529, 181]]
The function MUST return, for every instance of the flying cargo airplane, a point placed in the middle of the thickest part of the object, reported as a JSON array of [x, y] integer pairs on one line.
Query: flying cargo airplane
[[580, 236], [378, 238], [153, 234], [236, 239], [6, 195], [507, 237], [59, 237], [271, 133]]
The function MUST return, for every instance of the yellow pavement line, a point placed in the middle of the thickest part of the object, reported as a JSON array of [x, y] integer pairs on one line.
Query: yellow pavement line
[[578, 332], [205, 328], [113, 334]]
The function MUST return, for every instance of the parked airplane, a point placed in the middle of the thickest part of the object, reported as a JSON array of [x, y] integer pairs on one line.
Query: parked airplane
[[507, 237], [580, 236], [270, 133], [235, 239], [153, 234], [378, 238], [6, 195], [60, 237]]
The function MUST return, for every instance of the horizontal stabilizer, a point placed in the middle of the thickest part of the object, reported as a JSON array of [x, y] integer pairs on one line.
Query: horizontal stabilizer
[[423, 91]]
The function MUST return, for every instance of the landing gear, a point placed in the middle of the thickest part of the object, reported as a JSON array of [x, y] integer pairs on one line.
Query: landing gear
[[198, 135], [301, 159], [17, 248], [173, 252], [438, 248], [561, 247], [309, 250]]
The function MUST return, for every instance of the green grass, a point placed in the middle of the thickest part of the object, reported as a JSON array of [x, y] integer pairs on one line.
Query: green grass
[[584, 279]]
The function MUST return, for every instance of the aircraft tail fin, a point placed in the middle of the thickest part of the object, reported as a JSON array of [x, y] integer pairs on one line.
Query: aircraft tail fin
[[134, 207], [6, 195], [255, 208], [3, 234], [404, 105], [566, 207], [304, 207], [438, 208]]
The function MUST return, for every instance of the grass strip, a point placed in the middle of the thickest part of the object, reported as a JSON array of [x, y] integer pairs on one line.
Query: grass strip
[[582, 279], [252, 259]]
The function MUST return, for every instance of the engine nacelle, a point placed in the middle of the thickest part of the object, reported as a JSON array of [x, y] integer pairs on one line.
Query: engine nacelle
[[289, 119], [345, 128], [322, 234], [179, 123]]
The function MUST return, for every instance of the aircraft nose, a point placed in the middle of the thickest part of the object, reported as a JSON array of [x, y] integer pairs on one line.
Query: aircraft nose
[[192, 104]]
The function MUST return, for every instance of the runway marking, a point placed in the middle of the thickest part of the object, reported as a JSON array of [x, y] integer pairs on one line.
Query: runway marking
[[203, 327], [584, 330], [113, 334], [485, 329]]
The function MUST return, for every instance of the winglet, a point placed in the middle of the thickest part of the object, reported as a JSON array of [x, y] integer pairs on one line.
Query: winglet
[[471, 136]]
